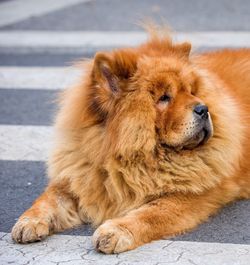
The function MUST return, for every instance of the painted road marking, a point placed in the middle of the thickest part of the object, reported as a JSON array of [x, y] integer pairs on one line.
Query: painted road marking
[[38, 77], [79, 250], [27, 41], [25, 143], [17, 10]]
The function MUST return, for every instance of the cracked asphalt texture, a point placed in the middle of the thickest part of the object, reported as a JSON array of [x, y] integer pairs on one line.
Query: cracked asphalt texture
[[74, 250]]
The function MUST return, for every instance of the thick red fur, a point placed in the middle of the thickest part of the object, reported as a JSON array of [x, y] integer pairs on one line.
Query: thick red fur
[[120, 159]]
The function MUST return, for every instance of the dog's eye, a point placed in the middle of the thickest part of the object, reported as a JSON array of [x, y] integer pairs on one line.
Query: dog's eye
[[164, 98], [163, 102]]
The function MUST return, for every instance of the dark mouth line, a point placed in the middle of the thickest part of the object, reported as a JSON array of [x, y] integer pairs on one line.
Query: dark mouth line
[[206, 133], [183, 147]]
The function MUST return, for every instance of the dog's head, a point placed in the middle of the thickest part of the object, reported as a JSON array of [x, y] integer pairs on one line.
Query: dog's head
[[182, 118], [150, 95]]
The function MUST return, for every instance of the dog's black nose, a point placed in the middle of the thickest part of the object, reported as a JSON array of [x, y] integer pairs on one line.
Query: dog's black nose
[[201, 110]]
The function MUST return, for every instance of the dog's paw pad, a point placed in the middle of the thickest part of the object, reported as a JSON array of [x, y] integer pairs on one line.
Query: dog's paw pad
[[28, 230], [110, 238]]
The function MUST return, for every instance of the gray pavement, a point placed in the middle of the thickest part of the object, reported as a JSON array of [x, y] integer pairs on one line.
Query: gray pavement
[[34, 107], [191, 15], [22, 180], [42, 59]]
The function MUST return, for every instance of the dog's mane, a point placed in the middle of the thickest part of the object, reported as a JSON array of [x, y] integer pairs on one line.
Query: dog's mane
[[111, 186]]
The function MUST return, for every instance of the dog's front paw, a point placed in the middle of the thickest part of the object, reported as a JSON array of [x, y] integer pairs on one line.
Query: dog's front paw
[[111, 238], [28, 230]]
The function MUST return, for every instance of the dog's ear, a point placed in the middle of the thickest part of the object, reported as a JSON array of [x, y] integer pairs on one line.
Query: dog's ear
[[103, 72], [184, 49], [110, 69]]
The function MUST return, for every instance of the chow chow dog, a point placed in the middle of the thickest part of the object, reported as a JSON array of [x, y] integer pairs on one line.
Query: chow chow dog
[[151, 142]]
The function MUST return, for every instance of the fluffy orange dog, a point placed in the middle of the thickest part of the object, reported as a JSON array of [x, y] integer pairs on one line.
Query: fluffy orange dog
[[150, 144]]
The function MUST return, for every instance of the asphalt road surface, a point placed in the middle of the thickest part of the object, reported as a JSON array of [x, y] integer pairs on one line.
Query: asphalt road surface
[[33, 71]]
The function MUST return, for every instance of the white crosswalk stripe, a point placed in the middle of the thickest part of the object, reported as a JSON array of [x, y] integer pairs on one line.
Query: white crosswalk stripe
[[15, 10], [38, 77], [76, 249], [78, 41], [24, 143]]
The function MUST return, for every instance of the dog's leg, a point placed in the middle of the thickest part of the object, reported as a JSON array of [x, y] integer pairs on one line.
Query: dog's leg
[[55, 210], [166, 216]]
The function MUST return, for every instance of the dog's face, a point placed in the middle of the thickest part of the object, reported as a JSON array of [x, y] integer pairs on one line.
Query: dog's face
[[151, 97], [182, 118]]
